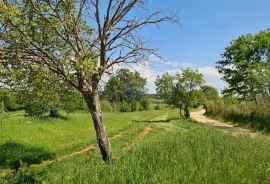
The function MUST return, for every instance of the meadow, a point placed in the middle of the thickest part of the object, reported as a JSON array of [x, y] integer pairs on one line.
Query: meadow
[[175, 150]]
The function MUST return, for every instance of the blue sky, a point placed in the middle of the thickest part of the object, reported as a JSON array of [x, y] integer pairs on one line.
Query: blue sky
[[208, 26]]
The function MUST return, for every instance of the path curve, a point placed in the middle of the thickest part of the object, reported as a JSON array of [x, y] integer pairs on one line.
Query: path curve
[[199, 117]]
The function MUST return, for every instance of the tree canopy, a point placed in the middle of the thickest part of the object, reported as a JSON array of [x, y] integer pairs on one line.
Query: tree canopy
[[57, 35], [127, 89], [246, 66], [181, 90]]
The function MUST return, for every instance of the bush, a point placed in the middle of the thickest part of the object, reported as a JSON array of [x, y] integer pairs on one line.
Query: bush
[[144, 104], [125, 107], [140, 107], [15, 155], [36, 109], [106, 106], [247, 114], [133, 106], [157, 107]]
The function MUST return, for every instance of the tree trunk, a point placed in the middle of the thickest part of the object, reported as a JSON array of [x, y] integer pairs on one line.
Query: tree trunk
[[93, 103], [54, 113], [181, 111], [187, 114]]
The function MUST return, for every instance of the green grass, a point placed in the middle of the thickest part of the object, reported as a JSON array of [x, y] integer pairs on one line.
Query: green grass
[[64, 135], [55, 137], [181, 151]]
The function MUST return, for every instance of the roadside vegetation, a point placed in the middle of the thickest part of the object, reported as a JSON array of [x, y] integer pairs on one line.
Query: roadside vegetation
[[248, 114], [246, 69]]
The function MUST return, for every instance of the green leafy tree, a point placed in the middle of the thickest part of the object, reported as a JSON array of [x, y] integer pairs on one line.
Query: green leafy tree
[[41, 91], [211, 96], [181, 90], [164, 85], [198, 98], [211, 93], [246, 66], [191, 81], [10, 99], [57, 35], [125, 86]]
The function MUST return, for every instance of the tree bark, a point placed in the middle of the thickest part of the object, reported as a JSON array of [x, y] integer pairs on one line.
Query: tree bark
[[54, 113], [180, 108], [187, 114], [93, 103]]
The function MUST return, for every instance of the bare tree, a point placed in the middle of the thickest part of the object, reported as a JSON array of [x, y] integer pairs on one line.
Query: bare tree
[[77, 42]]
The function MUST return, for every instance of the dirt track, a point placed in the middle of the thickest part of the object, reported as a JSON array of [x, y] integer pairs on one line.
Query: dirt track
[[199, 117]]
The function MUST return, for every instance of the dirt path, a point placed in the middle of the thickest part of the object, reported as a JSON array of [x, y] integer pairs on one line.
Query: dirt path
[[144, 132], [199, 117], [63, 157], [88, 148], [139, 137]]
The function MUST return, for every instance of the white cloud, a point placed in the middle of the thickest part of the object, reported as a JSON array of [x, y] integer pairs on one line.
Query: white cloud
[[179, 64], [145, 71], [212, 77], [210, 74]]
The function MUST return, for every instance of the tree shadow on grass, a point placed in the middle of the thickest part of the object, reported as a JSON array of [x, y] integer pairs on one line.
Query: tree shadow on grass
[[61, 117], [159, 121], [15, 155]]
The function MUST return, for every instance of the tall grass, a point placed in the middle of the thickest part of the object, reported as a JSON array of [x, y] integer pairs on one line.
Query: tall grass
[[26, 141], [191, 154], [247, 114]]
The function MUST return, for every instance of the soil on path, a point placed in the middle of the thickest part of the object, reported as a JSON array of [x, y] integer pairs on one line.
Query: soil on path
[[140, 136], [199, 117], [144, 132]]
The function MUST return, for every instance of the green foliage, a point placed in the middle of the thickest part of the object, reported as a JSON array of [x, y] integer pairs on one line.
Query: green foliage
[[246, 66], [164, 85], [125, 85], [41, 91], [14, 155], [181, 90], [145, 103], [198, 98], [211, 93], [247, 114], [2, 107], [106, 106], [157, 107], [41, 61], [127, 89], [10, 99], [36, 108], [125, 107]]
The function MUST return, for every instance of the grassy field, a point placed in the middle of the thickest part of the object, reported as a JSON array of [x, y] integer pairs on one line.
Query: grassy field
[[173, 151]]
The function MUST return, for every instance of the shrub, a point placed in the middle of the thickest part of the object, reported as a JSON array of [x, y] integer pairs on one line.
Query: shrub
[[36, 109], [157, 107], [145, 104], [133, 106], [125, 107], [106, 106], [15, 155], [248, 114]]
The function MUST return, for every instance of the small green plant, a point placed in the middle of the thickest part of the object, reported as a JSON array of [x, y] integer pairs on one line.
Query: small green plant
[[125, 107], [15, 155], [106, 106], [145, 104], [157, 107]]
